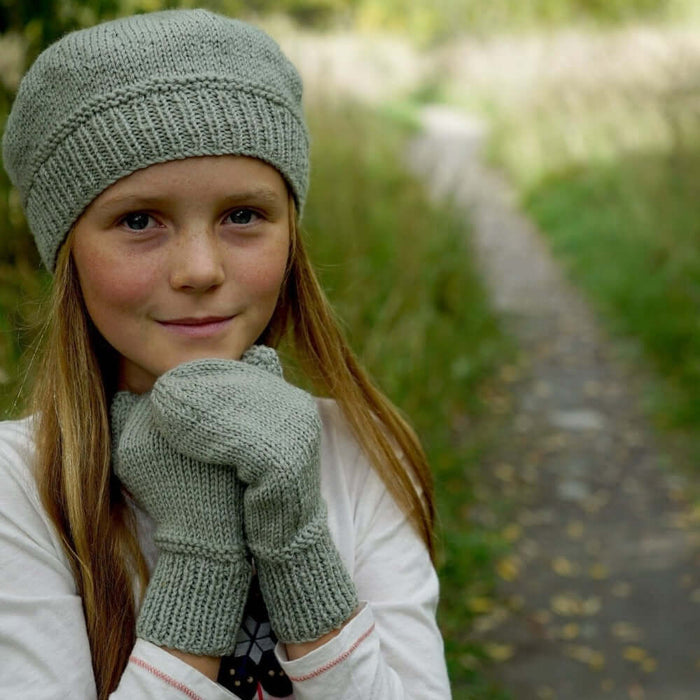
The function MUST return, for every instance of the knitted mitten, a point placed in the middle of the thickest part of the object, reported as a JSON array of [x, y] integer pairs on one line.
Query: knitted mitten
[[195, 598], [244, 413]]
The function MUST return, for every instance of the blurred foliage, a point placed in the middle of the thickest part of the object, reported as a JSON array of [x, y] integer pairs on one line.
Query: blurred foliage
[[434, 20], [43, 21], [611, 178], [629, 232], [399, 270]]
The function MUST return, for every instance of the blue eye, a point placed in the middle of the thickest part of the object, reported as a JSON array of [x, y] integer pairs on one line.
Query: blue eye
[[137, 221], [242, 216]]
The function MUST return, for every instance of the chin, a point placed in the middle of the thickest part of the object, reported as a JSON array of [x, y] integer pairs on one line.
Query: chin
[[207, 354]]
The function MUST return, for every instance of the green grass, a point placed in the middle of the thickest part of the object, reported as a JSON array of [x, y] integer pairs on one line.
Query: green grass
[[398, 270], [629, 233], [21, 287], [612, 182], [430, 21]]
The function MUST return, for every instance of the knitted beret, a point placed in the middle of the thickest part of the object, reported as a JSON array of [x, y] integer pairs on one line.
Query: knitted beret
[[106, 101]]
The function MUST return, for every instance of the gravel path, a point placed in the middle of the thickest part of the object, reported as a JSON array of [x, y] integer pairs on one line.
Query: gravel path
[[601, 596]]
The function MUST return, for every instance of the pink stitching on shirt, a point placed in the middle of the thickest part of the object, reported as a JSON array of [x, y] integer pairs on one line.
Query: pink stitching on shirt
[[170, 681], [335, 662]]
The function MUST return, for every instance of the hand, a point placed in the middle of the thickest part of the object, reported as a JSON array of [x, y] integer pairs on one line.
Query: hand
[[244, 414], [195, 599]]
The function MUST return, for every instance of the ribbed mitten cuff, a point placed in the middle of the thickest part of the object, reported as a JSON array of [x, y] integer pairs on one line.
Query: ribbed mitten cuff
[[194, 604], [307, 589]]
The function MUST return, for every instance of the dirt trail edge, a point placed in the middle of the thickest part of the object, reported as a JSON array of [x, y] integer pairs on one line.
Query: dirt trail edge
[[603, 592]]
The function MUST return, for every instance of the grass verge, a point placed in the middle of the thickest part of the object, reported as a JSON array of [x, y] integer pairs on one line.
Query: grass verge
[[610, 178], [398, 270]]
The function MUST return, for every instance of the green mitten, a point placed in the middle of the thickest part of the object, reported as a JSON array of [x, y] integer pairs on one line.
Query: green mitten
[[195, 598], [243, 413]]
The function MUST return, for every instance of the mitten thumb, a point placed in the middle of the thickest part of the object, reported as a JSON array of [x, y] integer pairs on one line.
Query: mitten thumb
[[189, 404], [263, 357]]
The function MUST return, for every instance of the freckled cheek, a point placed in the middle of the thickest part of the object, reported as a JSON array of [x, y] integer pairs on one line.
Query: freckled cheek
[[263, 277], [112, 288]]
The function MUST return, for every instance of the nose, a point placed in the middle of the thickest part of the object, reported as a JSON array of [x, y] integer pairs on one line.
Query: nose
[[197, 261]]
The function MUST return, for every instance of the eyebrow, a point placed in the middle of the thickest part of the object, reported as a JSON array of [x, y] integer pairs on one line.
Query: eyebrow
[[258, 195]]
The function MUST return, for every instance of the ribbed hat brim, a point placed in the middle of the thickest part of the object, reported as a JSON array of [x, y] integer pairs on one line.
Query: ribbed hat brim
[[159, 123]]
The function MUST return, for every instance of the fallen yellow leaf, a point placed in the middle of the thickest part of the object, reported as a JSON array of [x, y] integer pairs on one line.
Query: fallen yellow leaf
[[508, 568], [649, 665], [570, 631], [594, 659], [598, 572], [512, 533], [488, 622], [592, 606], [499, 652], [566, 604], [564, 567], [575, 529], [597, 661], [627, 632], [480, 604], [570, 604], [634, 654]]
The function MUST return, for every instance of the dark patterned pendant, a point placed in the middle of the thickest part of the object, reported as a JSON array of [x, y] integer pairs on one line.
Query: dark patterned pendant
[[253, 664]]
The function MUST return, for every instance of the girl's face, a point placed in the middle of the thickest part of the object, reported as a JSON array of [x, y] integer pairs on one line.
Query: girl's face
[[183, 260]]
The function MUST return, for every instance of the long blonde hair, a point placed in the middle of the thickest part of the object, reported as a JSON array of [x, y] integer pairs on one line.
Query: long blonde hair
[[74, 381]]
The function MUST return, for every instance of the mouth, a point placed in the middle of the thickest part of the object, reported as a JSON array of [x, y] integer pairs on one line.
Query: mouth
[[196, 321], [197, 327]]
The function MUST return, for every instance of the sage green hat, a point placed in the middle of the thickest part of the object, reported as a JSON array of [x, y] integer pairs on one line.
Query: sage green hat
[[106, 101]]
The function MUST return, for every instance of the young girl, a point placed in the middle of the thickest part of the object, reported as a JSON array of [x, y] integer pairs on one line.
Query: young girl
[[177, 520]]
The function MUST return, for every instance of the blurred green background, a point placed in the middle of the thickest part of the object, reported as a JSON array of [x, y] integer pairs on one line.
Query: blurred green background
[[594, 109]]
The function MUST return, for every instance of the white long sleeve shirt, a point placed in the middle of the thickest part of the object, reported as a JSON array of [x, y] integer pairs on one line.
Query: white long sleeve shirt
[[391, 650]]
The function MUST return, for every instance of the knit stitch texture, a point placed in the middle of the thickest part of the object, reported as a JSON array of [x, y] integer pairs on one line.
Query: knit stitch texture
[[106, 101], [244, 414], [195, 598]]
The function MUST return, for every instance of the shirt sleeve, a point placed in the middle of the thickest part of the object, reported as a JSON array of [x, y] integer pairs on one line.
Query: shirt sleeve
[[153, 673], [44, 650], [392, 649]]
